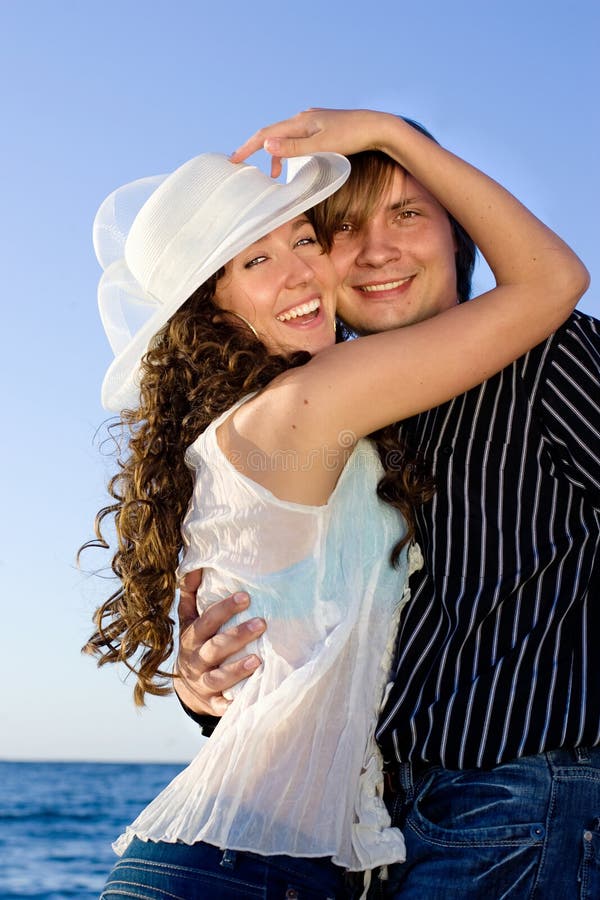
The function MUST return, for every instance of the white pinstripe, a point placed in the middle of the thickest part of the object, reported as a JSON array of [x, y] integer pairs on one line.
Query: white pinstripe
[[493, 656]]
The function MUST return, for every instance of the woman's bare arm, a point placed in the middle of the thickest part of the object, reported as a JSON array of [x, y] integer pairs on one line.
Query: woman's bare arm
[[356, 388]]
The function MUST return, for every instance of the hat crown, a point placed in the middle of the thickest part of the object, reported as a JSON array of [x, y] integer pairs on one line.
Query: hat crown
[[187, 217]]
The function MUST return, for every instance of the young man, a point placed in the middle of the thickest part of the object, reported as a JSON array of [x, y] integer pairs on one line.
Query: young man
[[492, 727]]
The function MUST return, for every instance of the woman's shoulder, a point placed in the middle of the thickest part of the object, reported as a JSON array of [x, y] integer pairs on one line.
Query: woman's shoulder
[[281, 439]]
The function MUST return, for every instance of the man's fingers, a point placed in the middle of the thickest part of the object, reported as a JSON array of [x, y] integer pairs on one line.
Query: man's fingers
[[226, 676], [199, 698], [215, 651], [201, 628], [205, 696], [202, 663], [191, 581], [186, 609]]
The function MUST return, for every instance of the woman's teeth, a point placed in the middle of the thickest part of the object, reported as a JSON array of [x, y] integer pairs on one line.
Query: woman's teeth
[[303, 310]]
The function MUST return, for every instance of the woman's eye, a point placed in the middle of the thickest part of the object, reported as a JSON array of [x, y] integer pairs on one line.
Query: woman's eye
[[254, 262], [306, 241]]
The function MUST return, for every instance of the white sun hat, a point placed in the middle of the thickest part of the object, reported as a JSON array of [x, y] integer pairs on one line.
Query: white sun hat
[[159, 238]]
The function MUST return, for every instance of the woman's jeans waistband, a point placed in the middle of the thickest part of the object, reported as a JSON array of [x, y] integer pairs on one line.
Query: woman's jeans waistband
[[163, 871]]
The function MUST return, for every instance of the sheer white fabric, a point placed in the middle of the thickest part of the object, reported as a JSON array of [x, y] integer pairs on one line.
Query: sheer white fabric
[[293, 767]]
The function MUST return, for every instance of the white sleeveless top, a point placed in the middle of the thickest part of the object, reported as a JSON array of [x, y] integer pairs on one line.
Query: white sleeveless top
[[292, 767]]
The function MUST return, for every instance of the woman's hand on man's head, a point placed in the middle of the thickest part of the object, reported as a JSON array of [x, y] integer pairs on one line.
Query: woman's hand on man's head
[[316, 130]]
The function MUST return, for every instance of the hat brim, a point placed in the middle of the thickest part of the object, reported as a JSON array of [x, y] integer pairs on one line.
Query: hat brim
[[315, 178]]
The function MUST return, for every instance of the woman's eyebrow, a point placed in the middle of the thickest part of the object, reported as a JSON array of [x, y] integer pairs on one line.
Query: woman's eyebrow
[[300, 223], [296, 225]]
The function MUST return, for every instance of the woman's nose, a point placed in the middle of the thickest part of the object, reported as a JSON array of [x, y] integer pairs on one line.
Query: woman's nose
[[299, 271]]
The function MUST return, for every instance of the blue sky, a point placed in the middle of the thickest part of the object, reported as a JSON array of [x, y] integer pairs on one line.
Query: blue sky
[[94, 95]]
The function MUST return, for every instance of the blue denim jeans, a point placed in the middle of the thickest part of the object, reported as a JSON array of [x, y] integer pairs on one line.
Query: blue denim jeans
[[525, 830], [161, 871]]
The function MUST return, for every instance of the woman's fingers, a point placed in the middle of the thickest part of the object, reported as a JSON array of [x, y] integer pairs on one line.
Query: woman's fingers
[[317, 130], [289, 134]]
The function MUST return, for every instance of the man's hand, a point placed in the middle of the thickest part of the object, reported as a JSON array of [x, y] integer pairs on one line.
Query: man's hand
[[201, 662], [315, 130]]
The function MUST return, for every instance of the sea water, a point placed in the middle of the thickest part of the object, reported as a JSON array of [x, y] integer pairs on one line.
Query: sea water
[[57, 822]]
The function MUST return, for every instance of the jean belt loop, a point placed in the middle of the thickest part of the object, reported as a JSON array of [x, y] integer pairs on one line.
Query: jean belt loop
[[582, 755], [228, 859]]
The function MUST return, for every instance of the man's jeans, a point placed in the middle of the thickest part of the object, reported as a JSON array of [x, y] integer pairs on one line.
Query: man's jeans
[[162, 871], [526, 830]]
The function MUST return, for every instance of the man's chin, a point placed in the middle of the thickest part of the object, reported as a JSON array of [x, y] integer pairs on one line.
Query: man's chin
[[359, 327]]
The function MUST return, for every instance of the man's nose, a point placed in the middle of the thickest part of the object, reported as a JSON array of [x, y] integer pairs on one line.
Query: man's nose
[[378, 247]]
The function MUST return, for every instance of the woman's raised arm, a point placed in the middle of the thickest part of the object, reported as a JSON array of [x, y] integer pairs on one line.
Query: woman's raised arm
[[365, 384]]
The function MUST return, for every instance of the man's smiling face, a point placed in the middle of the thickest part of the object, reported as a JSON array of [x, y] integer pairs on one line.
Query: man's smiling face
[[397, 266]]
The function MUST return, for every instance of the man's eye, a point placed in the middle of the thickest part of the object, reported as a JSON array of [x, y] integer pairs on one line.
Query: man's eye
[[254, 262], [306, 241]]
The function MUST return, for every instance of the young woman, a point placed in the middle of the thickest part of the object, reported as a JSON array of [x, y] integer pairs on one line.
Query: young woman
[[235, 375]]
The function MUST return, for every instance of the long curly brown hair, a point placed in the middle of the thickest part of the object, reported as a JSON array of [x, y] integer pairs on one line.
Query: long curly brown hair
[[200, 364]]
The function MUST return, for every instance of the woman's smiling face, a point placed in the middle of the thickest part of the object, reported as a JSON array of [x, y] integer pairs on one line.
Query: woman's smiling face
[[285, 285]]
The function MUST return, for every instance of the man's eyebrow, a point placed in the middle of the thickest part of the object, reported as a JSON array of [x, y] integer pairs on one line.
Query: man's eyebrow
[[404, 202]]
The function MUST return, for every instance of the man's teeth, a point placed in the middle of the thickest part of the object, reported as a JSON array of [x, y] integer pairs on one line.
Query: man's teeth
[[388, 286], [301, 310]]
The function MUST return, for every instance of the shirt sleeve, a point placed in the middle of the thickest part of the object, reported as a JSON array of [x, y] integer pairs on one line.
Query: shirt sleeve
[[207, 723], [569, 401]]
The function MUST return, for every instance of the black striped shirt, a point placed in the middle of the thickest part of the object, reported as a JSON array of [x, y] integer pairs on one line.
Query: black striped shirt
[[498, 651]]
